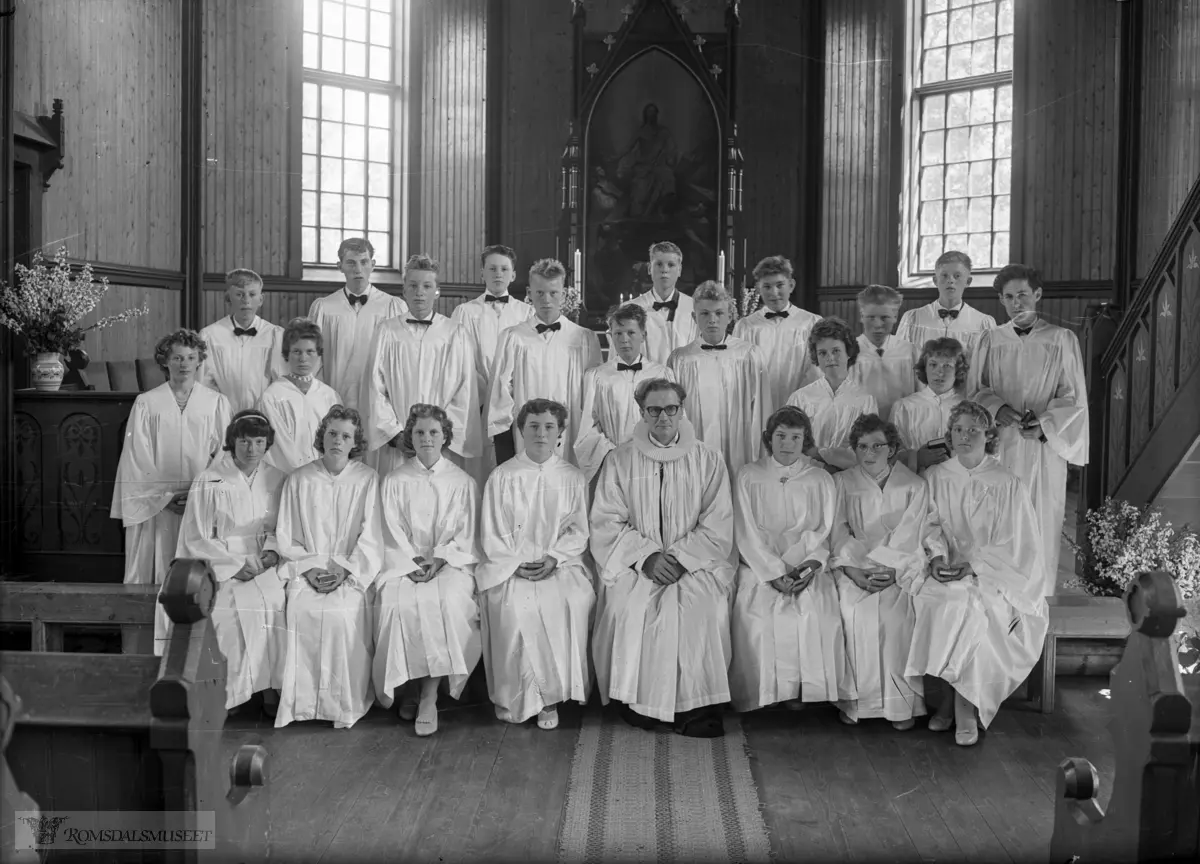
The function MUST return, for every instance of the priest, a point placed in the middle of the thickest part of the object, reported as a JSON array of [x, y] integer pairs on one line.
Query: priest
[[1030, 378], [542, 358], [726, 379], [420, 358], [662, 538], [610, 411], [243, 349], [535, 592]]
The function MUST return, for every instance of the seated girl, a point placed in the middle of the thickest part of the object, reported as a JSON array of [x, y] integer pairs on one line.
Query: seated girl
[[426, 619], [922, 417], [229, 522], [835, 400], [788, 644], [980, 614], [879, 554], [330, 539]]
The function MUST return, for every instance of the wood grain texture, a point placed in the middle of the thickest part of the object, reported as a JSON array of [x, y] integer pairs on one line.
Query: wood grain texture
[[137, 338], [454, 136], [1169, 159], [856, 208], [115, 65], [247, 110], [1067, 95]]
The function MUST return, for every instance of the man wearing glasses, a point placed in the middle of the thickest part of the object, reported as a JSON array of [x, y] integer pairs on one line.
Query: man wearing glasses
[[662, 538]]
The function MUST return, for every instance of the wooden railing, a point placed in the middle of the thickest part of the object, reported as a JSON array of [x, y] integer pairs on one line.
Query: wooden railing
[[1151, 407]]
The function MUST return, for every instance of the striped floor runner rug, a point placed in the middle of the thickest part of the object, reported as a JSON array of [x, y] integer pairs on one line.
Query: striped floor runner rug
[[657, 797]]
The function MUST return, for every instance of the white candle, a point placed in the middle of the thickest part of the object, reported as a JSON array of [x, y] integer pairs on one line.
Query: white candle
[[721, 267], [579, 268]]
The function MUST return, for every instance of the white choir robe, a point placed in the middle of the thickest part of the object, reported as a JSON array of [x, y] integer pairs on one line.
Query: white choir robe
[[663, 650], [785, 647], [832, 415], [610, 411], [550, 365], [483, 323], [663, 336], [982, 635], [410, 364], [228, 519], [535, 634], [347, 332], [1041, 372], [922, 417], [426, 629], [295, 416], [884, 527], [326, 520], [889, 377], [923, 323], [242, 367], [164, 450], [728, 397], [783, 343]]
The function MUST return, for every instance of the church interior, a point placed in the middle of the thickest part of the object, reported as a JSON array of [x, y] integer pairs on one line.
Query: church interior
[[165, 143]]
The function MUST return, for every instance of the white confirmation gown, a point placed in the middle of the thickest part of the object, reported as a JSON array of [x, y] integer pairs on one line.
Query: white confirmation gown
[[228, 519], [832, 416], [888, 377], [296, 416], [165, 448], [327, 519], [982, 635], [661, 649], [610, 411], [881, 527], [535, 634], [786, 647], [784, 346], [426, 629], [242, 367]]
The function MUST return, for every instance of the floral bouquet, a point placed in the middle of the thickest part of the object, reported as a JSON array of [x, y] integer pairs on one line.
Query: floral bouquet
[[572, 302], [49, 303], [1123, 540], [749, 300]]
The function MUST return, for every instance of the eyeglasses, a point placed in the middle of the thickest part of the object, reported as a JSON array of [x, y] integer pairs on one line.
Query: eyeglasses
[[873, 448], [669, 410]]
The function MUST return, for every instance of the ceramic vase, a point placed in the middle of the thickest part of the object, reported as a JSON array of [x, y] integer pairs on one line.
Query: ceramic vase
[[48, 371]]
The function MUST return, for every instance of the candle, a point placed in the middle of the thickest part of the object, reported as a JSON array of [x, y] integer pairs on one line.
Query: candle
[[579, 269], [721, 267]]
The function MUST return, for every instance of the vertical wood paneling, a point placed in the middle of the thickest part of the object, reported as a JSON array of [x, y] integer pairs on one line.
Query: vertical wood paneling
[[1067, 94], [536, 96], [453, 136], [856, 206], [135, 338], [115, 64], [1169, 156], [246, 109], [281, 307]]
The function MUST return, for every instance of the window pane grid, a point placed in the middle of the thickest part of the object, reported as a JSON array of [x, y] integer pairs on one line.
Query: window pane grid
[[347, 131], [961, 39]]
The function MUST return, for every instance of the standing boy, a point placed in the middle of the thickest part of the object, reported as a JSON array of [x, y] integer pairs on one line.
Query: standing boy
[[244, 354], [947, 316], [672, 309], [886, 366]]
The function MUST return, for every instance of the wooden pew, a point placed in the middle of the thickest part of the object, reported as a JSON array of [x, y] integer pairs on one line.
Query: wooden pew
[[134, 732], [49, 607], [1154, 810]]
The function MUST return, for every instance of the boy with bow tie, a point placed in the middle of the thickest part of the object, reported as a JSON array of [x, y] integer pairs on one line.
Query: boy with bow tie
[[947, 316], [886, 366], [243, 350], [673, 325]]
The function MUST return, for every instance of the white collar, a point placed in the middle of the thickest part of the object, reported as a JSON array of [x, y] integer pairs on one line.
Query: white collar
[[666, 446], [937, 304]]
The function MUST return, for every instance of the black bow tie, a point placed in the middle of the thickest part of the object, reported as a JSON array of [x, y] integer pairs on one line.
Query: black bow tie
[[249, 331], [669, 305], [708, 347], [949, 313], [356, 299], [782, 314], [542, 328], [879, 351], [492, 298], [629, 367], [1022, 331], [418, 321]]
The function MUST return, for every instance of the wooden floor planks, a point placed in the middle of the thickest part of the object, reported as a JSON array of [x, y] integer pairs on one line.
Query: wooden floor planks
[[481, 790]]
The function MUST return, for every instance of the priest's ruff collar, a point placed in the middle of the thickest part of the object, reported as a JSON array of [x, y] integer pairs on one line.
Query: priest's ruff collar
[[686, 443]]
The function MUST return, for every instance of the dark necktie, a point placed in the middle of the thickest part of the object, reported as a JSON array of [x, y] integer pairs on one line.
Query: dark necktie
[[418, 321], [952, 314], [1022, 331], [356, 299], [669, 305], [782, 314], [249, 331], [630, 367], [556, 326], [708, 347], [492, 298]]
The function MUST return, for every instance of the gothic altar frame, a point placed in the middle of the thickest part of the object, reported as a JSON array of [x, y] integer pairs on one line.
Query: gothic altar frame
[[714, 71]]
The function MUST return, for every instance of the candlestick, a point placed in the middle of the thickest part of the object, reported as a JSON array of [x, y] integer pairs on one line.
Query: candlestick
[[721, 267], [579, 269]]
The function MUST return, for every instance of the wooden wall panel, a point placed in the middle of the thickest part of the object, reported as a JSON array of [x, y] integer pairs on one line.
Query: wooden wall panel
[[858, 210], [135, 338], [247, 105], [1169, 155], [535, 93], [1064, 309], [116, 66], [453, 136], [1066, 154]]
